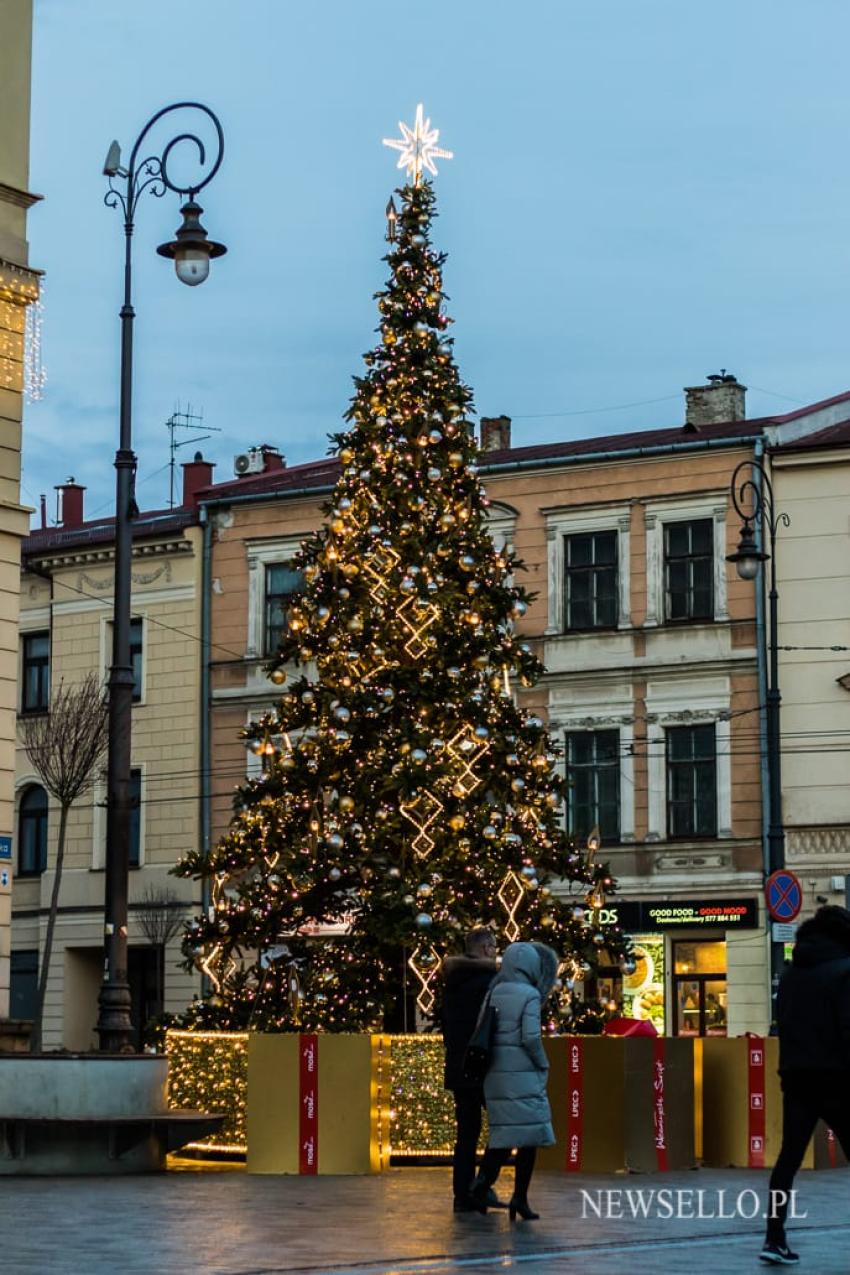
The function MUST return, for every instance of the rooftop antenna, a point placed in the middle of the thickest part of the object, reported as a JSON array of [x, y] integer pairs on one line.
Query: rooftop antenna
[[183, 420]]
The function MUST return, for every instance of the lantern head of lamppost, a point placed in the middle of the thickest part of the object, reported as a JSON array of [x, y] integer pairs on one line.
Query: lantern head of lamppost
[[748, 557], [191, 249]]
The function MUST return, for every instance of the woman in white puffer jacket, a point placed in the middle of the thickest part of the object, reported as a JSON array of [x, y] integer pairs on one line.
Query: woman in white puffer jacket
[[518, 1111]]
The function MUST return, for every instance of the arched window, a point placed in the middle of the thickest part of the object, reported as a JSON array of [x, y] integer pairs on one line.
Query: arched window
[[32, 832]]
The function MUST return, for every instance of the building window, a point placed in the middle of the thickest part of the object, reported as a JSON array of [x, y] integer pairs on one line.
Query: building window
[[135, 818], [23, 984], [32, 832], [689, 569], [593, 779], [591, 581], [136, 650], [137, 630], [282, 581], [691, 781], [35, 694]]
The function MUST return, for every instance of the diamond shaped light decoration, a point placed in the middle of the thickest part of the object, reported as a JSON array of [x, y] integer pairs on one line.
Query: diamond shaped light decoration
[[422, 812], [511, 895], [425, 963]]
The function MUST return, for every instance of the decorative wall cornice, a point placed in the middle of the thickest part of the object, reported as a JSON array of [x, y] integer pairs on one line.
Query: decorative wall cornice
[[99, 557], [20, 198]]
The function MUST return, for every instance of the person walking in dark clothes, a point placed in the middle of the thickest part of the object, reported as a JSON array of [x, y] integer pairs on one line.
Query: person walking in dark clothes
[[813, 1018], [466, 981]]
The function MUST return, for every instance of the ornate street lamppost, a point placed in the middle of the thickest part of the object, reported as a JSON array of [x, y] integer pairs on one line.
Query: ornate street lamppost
[[191, 251], [748, 559]]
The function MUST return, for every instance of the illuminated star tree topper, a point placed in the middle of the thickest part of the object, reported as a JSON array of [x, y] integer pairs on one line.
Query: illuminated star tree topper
[[418, 147]]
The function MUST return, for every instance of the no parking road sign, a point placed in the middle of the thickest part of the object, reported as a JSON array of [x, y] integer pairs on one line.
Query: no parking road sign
[[784, 895]]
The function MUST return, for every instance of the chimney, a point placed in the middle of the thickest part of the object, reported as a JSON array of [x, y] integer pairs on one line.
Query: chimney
[[495, 433], [43, 503], [70, 504], [197, 473], [272, 458], [722, 400]]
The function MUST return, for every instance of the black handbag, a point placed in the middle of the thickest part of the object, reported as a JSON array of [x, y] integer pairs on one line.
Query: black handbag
[[479, 1051]]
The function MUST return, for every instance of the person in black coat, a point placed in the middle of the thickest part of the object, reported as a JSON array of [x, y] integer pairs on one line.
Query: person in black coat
[[466, 980], [813, 1020]]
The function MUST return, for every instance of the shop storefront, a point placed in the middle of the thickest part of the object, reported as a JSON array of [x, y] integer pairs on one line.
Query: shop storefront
[[681, 976]]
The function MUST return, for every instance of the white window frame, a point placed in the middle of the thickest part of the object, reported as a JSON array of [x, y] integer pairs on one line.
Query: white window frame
[[98, 860], [561, 523], [700, 702], [685, 509], [501, 523], [262, 554], [614, 712]]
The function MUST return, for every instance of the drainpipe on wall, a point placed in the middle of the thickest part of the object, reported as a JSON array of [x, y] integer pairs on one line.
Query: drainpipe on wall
[[206, 612]]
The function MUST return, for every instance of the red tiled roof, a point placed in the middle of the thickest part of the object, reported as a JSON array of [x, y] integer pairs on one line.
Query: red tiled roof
[[312, 474], [154, 522], [652, 438], [324, 473]]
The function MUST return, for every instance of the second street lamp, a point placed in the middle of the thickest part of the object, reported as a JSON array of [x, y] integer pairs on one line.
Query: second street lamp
[[191, 251], [756, 491]]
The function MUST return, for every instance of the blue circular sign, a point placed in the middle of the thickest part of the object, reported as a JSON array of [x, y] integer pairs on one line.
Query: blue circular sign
[[784, 895]]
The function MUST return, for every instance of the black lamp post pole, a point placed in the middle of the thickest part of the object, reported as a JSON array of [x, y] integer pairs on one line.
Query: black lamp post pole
[[114, 1025], [763, 513]]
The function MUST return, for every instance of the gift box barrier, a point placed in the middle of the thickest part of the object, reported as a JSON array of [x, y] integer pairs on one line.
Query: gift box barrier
[[345, 1103], [620, 1103], [742, 1108]]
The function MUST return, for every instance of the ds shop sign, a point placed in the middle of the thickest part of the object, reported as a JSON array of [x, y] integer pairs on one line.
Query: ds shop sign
[[679, 914]]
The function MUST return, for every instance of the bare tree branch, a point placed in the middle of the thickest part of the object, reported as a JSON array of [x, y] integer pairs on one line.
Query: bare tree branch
[[160, 915], [64, 746]]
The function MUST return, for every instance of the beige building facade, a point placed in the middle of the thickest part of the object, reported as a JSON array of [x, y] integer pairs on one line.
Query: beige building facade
[[19, 287], [652, 647], [65, 633], [811, 482]]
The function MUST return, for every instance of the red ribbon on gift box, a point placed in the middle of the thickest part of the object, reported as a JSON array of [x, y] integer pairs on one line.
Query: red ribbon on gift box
[[575, 1103], [308, 1104], [831, 1148], [756, 1098], [659, 1115]]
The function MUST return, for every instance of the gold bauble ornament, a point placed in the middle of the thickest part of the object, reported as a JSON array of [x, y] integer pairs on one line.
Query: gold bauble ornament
[[455, 460], [278, 676], [456, 822]]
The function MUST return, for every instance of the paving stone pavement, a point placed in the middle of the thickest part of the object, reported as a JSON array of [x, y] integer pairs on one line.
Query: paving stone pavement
[[229, 1223]]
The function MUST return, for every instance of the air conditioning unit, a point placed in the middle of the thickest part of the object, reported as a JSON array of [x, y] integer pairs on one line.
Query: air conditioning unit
[[250, 462]]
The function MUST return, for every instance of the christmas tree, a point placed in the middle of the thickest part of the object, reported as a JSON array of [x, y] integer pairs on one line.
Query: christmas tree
[[405, 797]]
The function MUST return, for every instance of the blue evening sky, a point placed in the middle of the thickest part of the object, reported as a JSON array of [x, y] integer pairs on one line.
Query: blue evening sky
[[643, 191]]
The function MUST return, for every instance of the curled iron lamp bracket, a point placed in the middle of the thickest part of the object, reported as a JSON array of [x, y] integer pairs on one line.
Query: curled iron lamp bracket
[[152, 173], [746, 492]]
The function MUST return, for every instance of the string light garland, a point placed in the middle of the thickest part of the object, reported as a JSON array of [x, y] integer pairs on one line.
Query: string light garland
[[208, 1071], [35, 374]]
